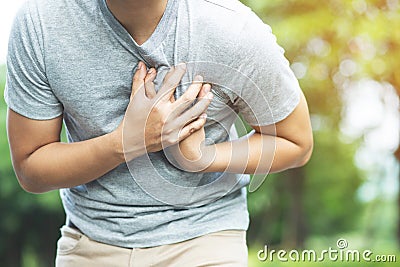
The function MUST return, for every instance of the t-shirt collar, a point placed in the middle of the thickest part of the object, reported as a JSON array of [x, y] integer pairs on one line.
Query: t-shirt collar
[[157, 37]]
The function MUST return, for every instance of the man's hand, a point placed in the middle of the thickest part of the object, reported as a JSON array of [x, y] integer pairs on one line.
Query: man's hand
[[191, 153], [42, 163], [271, 148], [155, 120]]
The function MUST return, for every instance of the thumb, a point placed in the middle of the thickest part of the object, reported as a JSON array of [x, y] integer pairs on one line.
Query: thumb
[[138, 79]]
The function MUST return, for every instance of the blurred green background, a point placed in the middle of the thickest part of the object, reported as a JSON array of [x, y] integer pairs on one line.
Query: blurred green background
[[346, 55]]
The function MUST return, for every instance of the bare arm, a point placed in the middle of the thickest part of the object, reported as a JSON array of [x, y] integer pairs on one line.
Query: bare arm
[[274, 148], [42, 163]]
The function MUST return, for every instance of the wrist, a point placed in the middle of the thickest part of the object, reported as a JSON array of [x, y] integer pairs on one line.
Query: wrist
[[115, 143], [197, 161], [209, 155]]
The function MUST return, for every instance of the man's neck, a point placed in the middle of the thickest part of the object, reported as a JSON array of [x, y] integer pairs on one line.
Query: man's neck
[[139, 17]]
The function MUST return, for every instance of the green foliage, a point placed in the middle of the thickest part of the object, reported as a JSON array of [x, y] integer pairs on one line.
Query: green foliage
[[330, 202], [313, 35], [329, 199], [319, 38]]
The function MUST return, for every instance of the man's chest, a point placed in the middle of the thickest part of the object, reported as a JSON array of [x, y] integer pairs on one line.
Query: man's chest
[[94, 82]]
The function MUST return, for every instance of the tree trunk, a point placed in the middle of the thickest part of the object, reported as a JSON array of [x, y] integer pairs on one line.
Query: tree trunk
[[294, 234]]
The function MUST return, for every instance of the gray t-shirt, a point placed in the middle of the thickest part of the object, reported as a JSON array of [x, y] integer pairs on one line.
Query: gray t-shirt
[[73, 58]]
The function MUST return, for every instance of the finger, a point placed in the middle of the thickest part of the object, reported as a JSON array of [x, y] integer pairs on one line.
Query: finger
[[194, 112], [149, 83], [190, 95], [138, 79], [171, 81], [193, 127], [205, 89]]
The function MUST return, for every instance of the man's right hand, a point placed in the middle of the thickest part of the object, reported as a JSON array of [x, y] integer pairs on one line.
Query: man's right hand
[[155, 120], [152, 121]]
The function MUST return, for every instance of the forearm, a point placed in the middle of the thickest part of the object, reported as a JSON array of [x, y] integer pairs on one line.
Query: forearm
[[257, 154], [270, 148], [254, 153], [60, 165]]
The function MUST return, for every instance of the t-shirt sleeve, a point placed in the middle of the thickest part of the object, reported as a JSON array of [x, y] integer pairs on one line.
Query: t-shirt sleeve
[[272, 91], [27, 90]]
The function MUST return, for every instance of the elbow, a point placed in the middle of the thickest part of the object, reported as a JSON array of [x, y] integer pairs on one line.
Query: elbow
[[30, 184], [305, 159], [306, 153], [29, 180]]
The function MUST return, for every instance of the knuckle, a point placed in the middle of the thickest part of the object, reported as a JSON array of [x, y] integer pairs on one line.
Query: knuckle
[[136, 77], [186, 98]]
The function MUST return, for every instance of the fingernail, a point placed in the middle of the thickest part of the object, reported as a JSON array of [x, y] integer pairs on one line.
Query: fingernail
[[151, 71], [207, 88], [210, 95], [140, 65], [181, 66], [203, 116]]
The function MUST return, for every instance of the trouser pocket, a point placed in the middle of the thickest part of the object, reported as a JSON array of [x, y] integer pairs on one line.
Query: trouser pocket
[[70, 240]]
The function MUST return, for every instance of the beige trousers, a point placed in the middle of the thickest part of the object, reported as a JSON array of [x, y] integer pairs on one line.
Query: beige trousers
[[224, 248]]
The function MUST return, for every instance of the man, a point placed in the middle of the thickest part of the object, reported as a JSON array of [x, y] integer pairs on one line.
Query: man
[[73, 61]]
